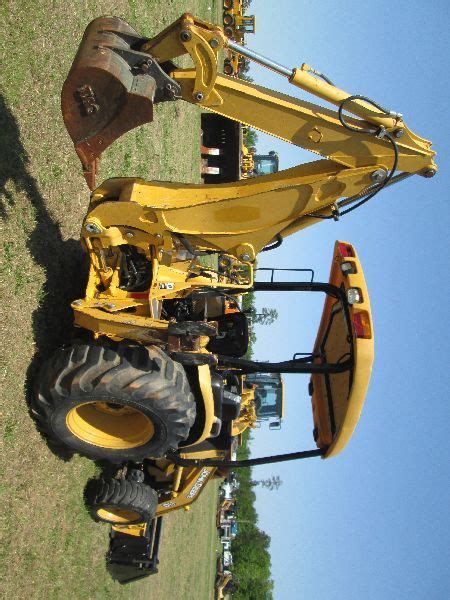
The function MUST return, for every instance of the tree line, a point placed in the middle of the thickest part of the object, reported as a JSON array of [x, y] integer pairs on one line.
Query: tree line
[[251, 557]]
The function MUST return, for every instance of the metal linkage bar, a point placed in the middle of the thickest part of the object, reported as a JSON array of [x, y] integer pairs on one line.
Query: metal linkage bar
[[288, 366], [239, 464], [296, 365], [273, 269], [299, 286]]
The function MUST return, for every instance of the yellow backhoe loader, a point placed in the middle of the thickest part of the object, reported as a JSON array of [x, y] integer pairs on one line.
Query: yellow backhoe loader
[[236, 25], [156, 382], [225, 586]]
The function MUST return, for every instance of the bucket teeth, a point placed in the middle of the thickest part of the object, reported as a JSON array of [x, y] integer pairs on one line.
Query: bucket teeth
[[110, 89]]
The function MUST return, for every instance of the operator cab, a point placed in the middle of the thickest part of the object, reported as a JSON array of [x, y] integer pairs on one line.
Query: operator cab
[[340, 363], [246, 24], [265, 164], [268, 390]]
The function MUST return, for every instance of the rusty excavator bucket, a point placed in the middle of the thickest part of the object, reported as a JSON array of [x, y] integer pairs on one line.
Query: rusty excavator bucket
[[110, 89]]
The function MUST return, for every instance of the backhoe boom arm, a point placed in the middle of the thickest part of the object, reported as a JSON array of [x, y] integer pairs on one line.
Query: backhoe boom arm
[[304, 124], [361, 152]]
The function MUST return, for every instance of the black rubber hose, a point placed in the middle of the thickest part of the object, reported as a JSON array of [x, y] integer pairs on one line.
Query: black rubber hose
[[276, 244], [381, 186], [374, 131]]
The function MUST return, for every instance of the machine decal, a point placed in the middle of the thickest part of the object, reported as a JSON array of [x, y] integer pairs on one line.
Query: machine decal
[[199, 483]]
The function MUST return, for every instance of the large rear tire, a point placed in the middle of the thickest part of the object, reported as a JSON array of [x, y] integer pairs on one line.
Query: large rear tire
[[114, 402], [120, 501]]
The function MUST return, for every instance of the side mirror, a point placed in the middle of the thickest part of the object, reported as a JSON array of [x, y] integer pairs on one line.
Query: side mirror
[[275, 425]]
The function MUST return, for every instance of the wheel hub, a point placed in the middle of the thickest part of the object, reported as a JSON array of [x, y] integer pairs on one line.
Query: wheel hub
[[110, 425], [118, 515]]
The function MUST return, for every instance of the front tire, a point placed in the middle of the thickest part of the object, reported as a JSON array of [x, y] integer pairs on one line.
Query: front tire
[[114, 402], [120, 501]]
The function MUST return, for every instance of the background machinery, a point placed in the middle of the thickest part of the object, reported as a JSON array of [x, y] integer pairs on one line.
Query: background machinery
[[155, 382], [268, 396], [224, 584], [225, 157], [265, 164], [236, 25]]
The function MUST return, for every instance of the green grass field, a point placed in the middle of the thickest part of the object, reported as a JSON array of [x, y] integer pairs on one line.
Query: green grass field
[[50, 548]]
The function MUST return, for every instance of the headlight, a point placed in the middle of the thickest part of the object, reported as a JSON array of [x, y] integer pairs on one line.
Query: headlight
[[353, 296], [348, 268]]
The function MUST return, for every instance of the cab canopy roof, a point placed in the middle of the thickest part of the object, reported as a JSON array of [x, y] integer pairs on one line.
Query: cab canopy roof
[[338, 397], [340, 364]]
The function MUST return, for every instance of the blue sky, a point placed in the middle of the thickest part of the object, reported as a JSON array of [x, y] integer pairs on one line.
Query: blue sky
[[372, 523]]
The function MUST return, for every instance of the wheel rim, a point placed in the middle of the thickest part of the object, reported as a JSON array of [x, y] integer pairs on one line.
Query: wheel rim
[[110, 425], [118, 515]]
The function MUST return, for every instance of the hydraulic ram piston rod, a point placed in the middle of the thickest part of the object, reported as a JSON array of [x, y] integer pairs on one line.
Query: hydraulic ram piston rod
[[304, 80], [262, 60]]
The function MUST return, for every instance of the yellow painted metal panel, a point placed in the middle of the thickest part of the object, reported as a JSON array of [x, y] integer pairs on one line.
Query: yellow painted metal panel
[[347, 391]]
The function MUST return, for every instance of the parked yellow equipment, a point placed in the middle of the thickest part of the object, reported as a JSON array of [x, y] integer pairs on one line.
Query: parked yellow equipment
[[255, 165], [132, 405], [224, 585], [225, 157], [236, 25], [157, 384]]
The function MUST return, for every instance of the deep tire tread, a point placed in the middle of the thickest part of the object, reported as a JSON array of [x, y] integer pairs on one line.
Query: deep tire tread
[[120, 493], [134, 375]]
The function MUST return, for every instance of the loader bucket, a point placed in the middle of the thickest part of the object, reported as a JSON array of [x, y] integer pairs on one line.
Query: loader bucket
[[109, 90]]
